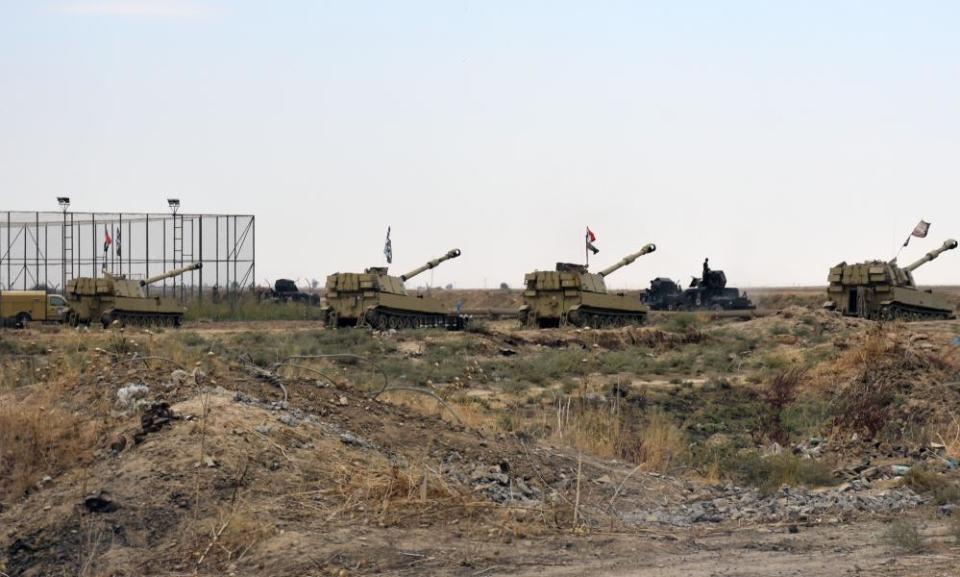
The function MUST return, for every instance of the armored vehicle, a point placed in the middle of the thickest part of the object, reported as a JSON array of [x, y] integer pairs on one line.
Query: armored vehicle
[[708, 292], [571, 294], [285, 290], [117, 298], [883, 290], [376, 299]]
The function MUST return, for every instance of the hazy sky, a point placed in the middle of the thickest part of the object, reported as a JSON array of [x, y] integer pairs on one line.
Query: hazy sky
[[777, 138]]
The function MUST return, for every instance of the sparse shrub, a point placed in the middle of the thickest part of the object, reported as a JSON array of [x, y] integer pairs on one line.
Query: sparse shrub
[[683, 322], [781, 391], [905, 535], [766, 473], [192, 339], [779, 329], [924, 481]]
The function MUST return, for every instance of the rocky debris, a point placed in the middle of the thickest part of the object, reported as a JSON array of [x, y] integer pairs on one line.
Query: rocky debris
[[154, 417], [354, 440], [179, 377], [499, 486], [786, 505], [127, 396]]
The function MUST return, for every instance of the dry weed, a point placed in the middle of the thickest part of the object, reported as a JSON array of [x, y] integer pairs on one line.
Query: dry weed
[[36, 441]]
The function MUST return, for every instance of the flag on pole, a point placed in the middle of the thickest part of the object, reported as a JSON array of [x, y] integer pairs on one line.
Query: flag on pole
[[388, 248], [118, 241], [107, 241], [919, 231], [590, 239]]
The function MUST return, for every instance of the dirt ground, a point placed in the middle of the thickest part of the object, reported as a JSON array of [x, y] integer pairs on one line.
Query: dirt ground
[[239, 449]]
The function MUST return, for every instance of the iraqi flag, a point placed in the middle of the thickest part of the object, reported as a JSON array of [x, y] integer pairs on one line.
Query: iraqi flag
[[919, 231], [107, 240], [590, 239]]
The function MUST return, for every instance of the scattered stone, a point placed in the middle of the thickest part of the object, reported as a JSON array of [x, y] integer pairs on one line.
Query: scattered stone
[[289, 420], [179, 377], [128, 395], [351, 439]]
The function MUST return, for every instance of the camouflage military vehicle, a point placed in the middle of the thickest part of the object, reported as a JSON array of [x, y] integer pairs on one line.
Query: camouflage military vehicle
[[117, 298], [376, 299], [571, 294], [883, 290]]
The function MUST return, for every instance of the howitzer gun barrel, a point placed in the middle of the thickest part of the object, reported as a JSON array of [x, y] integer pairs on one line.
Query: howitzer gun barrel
[[454, 253], [947, 245], [628, 259], [171, 273]]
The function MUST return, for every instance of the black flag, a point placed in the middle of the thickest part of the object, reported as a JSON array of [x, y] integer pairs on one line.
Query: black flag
[[118, 241], [388, 248]]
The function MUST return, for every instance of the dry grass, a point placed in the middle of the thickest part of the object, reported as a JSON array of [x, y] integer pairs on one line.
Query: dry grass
[[400, 493], [36, 441], [622, 432]]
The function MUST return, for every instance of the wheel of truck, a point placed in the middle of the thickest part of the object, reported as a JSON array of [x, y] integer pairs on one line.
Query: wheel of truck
[[23, 320], [106, 320]]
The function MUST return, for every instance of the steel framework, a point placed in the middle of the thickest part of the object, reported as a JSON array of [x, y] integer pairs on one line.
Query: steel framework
[[48, 248]]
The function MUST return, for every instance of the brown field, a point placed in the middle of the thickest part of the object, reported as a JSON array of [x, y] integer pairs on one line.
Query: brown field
[[797, 443]]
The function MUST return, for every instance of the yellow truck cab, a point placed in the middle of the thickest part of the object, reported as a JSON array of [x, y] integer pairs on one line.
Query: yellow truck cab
[[19, 308]]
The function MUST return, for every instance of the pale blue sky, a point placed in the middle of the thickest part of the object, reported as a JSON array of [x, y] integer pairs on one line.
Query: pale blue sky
[[775, 137]]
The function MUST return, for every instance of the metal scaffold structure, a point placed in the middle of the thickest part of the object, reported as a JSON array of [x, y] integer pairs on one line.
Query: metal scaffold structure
[[45, 249]]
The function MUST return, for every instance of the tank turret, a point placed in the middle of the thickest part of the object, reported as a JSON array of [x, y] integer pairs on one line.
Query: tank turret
[[885, 291], [949, 244], [627, 260], [454, 253]]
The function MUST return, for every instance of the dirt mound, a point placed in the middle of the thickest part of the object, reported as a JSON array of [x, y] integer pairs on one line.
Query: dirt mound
[[201, 478], [891, 382]]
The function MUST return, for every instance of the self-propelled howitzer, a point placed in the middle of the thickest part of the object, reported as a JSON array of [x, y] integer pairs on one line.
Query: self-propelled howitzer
[[883, 290], [572, 294], [115, 298], [376, 299]]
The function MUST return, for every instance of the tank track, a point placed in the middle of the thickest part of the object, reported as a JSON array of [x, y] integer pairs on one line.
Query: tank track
[[142, 319], [605, 319], [899, 311], [384, 319]]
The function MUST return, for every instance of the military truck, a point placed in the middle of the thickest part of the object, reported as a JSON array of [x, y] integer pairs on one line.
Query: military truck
[[707, 292], [115, 298], [376, 299], [882, 290], [573, 295], [20, 308]]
